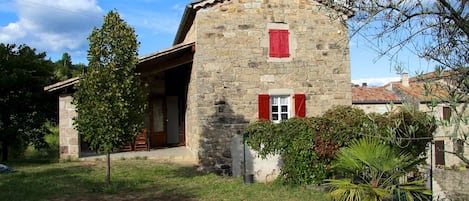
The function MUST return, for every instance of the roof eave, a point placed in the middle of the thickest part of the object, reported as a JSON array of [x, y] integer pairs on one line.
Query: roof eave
[[363, 102], [62, 84], [186, 23]]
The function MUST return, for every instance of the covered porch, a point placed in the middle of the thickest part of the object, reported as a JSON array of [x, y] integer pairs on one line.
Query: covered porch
[[179, 155], [166, 74]]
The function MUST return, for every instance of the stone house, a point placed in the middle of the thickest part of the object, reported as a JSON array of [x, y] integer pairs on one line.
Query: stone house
[[234, 62], [411, 91]]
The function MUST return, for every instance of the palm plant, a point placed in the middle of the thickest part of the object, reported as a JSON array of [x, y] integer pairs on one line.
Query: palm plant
[[372, 171]]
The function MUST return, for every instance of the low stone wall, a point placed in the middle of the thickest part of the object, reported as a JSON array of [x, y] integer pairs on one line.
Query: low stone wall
[[451, 184], [264, 170]]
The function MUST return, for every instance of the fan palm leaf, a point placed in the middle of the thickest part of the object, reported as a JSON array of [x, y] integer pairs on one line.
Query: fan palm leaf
[[375, 168]]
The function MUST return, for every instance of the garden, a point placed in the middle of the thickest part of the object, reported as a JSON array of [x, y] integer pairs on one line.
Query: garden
[[356, 156]]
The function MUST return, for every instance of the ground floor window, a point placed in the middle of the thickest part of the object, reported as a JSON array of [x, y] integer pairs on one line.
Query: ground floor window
[[280, 108]]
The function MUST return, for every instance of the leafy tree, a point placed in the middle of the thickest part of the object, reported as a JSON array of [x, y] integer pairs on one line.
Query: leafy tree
[[437, 31], [110, 98], [24, 105], [65, 69], [78, 69], [372, 171]]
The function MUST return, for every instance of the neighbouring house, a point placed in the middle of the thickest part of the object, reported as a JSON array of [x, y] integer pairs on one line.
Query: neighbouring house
[[411, 91], [234, 62]]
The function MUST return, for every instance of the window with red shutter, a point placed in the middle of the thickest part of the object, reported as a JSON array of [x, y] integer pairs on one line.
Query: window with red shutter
[[264, 106], [300, 105], [279, 45]]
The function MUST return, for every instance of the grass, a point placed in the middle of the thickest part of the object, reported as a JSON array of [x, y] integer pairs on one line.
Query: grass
[[134, 180]]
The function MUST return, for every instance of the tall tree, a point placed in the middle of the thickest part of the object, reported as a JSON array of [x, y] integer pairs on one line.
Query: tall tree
[[110, 98], [64, 67], [437, 31], [23, 102]]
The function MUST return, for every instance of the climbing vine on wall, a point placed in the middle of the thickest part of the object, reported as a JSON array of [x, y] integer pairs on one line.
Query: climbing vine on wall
[[308, 145]]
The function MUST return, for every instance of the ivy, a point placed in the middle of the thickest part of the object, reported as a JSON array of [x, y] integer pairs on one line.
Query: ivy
[[308, 145]]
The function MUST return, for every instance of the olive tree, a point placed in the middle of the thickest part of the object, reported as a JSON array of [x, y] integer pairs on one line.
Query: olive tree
[[436, 31]]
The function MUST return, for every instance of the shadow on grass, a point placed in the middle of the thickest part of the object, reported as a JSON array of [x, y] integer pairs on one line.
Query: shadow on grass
[[39, 180]]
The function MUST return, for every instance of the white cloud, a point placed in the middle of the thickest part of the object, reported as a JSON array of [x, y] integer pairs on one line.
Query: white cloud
[[55, 25], [376, 81], [11, 32]]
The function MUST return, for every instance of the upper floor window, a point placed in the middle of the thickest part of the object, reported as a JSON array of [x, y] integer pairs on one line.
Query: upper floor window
[[279, 44], [446, 113]]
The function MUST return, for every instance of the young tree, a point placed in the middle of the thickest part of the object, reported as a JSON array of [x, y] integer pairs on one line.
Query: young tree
[[24, 105], [110, 98], [434, 30]]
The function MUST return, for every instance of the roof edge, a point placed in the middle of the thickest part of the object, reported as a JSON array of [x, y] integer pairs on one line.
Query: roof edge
[[359, 102], [62, 84], [171, 49], [192, 8], [185, 24]]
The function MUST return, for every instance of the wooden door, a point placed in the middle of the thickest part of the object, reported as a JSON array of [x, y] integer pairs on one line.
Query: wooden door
[[157, 122], [172, 120]]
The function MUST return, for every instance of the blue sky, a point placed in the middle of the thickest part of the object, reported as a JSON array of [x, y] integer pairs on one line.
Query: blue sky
[[58, 26]]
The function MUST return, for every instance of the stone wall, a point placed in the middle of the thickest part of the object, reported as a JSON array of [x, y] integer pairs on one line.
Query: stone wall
[[247, 161], [377, 108], [232, 67], [451, 184], [69, 140]]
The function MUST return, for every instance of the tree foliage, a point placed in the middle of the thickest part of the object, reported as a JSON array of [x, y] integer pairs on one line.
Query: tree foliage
[[437, 31], [65, 69], [308, 145], [24, 105], [110, 98]]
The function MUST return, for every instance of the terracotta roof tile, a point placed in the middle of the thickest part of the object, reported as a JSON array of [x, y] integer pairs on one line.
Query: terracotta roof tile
[[373, 95], [417, 90]]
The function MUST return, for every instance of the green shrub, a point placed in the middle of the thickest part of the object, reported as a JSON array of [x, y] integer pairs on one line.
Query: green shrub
[[308, 145], [51, 148]]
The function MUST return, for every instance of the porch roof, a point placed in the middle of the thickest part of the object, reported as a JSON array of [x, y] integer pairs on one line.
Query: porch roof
[[62, 84], [155, 62], [166, 59]]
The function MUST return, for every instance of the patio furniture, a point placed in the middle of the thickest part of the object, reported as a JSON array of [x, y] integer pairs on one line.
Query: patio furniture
[[141, 142]]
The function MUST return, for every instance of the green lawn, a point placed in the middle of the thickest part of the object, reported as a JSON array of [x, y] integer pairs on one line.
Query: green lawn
[[134, 180]]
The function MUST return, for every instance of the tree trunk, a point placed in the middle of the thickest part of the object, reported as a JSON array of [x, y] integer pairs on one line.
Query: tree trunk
[[4, 151], [108, 169]]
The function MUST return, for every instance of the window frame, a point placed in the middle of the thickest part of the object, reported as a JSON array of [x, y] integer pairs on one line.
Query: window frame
[[276, 102]]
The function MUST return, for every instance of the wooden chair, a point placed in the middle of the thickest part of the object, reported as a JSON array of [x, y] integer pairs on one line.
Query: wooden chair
[[126, 148], [141, 142]]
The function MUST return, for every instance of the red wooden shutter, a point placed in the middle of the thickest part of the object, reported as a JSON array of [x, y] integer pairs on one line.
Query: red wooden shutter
[[300, 105], [279, 46], [264, 106]]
